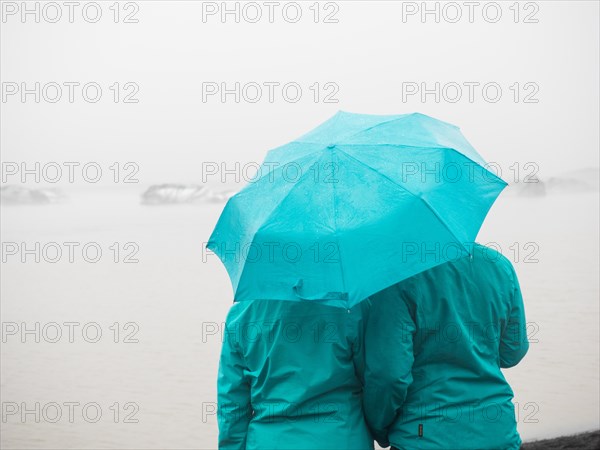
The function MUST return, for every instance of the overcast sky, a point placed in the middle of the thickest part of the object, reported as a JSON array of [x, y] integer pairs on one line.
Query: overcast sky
[[375, 53]]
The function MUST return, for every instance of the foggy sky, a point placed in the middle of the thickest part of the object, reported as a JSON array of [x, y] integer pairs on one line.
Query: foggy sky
[[368, 54]]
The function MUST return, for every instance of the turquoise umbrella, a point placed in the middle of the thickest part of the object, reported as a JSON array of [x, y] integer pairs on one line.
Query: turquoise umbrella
[[354, 206]]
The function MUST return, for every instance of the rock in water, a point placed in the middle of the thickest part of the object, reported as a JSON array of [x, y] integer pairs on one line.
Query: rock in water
[[20, 195], [532, 187], [170, 193]]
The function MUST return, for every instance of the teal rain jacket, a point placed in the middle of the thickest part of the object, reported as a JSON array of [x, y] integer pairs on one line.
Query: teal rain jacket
[[289, 377], [435, 344]]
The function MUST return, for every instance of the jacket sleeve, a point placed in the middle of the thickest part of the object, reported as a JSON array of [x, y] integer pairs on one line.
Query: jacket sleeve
[[234, 407], [513, 340], [389, 335]]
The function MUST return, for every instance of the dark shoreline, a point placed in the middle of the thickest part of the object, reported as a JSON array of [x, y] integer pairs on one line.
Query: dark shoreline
[[587, 441]]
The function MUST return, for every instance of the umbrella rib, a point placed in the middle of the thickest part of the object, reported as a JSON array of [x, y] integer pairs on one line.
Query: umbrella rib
[[432, 147], [435, 213], [296, 183], [335, 226], [496, 177], [435, 147], [320, 149], [280, 167]]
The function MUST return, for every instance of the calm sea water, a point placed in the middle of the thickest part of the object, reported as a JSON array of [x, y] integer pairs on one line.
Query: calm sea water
[[159, 392]]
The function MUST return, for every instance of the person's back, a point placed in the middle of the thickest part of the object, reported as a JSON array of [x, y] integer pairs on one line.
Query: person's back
[[288, 377], [435, 344]]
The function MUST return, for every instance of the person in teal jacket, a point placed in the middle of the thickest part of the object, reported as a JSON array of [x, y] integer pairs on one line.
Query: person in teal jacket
[[435, 344], [289, 377]]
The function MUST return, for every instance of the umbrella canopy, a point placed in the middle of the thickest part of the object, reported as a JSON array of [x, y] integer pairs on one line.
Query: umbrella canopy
[[354, 206]]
